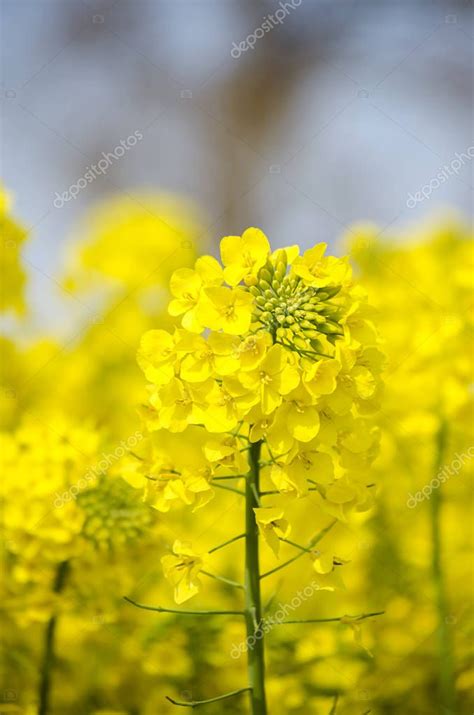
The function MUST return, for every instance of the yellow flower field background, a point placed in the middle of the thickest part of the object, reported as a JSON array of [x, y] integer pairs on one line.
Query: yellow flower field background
[[85, 444], [236, 357]]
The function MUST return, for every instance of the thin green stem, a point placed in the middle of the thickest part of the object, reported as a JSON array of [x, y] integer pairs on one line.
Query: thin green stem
[[253, 602], [361, 617], [226, 543], [297, 546], [160, 609], [47, 662], [228, 581], [447, 690], [197, 703], [229, 476], [316, 539], [230, 489]]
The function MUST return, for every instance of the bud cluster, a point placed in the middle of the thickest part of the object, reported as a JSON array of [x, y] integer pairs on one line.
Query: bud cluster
[[113, 515], [295, 314]]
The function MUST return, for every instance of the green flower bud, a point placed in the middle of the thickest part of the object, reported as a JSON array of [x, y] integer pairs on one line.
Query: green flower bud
[[311, 334], [329, 328], [312, 316], [265, 275], [330, 309], [250, 280], [329, 292], [297, 314]]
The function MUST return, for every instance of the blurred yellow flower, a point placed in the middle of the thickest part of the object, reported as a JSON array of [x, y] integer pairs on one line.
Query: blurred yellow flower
[[12, 236]]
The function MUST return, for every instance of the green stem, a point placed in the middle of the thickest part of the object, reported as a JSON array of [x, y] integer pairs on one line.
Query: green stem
[[223, 579], [253, 603], [197, 703], [160, 609], [447, 690], [298, 546], [230, 489], [226, 543], [354, 619], [47, 662], [311, 544]]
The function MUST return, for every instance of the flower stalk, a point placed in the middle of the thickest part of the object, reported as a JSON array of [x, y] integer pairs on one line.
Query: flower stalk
[[47, 663], [447, 689], [253, 602]]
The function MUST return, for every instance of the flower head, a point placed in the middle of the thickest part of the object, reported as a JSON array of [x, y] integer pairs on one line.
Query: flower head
[[275, 348]]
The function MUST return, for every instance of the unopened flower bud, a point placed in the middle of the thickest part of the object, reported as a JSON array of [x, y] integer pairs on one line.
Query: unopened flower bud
[[265, 275]]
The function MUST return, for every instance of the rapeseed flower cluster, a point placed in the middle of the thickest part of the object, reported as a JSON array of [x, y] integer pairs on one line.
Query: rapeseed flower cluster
[[274, 348], [54, 513]]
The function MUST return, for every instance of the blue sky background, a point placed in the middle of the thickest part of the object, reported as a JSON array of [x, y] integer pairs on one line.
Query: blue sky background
[[335, 116]]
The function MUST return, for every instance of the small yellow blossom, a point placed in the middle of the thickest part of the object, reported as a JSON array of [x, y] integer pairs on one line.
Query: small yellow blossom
[[272, 378], [272, 525], [182, 570], [227, 309], [244, 255], [186, 285]]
